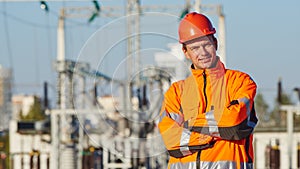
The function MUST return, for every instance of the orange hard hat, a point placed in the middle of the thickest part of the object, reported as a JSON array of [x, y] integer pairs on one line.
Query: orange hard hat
[[194, 25]]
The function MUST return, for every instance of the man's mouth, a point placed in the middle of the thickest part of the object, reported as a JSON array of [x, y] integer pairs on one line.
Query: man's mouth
[[205, 60]]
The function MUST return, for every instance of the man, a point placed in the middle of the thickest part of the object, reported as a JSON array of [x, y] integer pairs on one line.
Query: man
[[207, 120]]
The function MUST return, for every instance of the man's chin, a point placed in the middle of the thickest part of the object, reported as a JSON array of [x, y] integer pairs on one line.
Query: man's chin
[[206, 65]]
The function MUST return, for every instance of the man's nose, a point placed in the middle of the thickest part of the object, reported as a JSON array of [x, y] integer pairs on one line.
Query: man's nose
[[202, 50]]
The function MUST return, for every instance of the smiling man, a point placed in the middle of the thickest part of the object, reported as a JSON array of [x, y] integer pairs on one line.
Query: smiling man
[[207, 120]]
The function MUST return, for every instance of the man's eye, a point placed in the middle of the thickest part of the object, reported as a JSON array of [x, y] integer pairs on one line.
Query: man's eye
[[194, 48], [208, 45]]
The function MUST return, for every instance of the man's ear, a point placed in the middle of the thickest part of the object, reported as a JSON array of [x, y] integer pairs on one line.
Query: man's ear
[[184, 50]]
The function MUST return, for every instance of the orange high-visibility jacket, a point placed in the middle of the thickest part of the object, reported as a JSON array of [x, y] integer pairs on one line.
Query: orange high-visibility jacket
[[207, 120]]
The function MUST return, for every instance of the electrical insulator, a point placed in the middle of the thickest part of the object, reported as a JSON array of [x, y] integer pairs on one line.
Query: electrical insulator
[[97, 6], [279, 91], [31, 160], [267, 156], [298, 155], [44, 6], [274, 154], [35, 162], [92, 149], [46, 104], [95, 94]]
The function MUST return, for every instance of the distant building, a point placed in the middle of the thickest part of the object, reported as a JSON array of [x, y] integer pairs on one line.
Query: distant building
[[173, 62], [21, 105], [271, 148], [5, 97], [28, 150], [29, 140]]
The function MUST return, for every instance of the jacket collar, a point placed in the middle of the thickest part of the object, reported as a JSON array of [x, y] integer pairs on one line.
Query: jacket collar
[[217, 71]]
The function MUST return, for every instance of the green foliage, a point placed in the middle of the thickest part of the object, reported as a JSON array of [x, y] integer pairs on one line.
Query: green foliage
[[278, 116], [21, 114], [35, 113], [4, 148], [285, 99], [261, 107], [184, 12], [260, 102], [275, 117]]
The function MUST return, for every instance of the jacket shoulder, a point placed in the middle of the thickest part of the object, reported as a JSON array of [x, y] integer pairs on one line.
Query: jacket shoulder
[[177, 87], [238, 75], [240, 81]]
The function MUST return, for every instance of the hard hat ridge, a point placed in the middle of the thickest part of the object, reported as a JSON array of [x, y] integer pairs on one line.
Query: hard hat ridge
[[194, 25]]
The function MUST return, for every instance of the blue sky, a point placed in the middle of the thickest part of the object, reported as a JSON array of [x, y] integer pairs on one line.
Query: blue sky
[[262, 39]]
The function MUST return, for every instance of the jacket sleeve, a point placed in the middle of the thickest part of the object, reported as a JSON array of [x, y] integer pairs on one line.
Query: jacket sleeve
[[171, 118], [239, 117], [171, 124]]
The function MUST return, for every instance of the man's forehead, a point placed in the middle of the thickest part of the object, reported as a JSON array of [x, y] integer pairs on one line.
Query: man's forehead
[[202, 39]]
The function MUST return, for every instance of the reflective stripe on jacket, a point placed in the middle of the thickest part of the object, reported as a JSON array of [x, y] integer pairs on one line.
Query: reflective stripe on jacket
[[210, 114]]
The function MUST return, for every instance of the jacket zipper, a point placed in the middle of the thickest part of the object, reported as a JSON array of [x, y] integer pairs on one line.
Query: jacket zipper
[[204, 90]]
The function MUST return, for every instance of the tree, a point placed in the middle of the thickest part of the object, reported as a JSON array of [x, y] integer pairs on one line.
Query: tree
[[261, 108], [276, 114], [4, 149], [35, 112]]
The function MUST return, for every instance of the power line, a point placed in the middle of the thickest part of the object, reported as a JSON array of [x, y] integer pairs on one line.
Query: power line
[[10, 55], [50, 47], [36, 54], [34, 24], [23, 21]]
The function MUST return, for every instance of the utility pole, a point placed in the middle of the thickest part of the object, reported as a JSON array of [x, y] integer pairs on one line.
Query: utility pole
[[221, 34], [197, 6], [61, 103], [133, 65], [64, 154]]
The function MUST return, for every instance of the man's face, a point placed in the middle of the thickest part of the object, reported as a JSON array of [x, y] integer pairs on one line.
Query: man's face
[[201, 52]]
